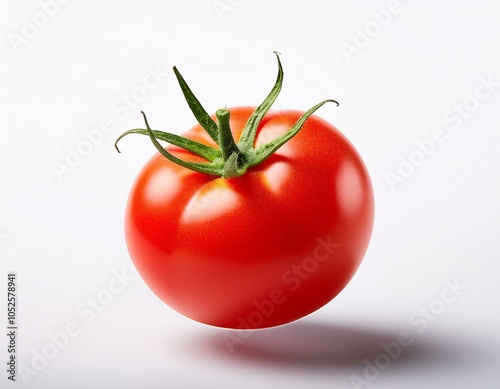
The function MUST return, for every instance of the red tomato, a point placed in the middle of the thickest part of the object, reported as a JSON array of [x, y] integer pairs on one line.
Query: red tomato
[[260, 249]]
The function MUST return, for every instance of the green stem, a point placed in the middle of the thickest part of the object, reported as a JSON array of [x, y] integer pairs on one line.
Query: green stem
[[232, 159], [268, 149], [206, 168], [197, 109], [247, 138], [226, 141], [231, 154], [204, 151]]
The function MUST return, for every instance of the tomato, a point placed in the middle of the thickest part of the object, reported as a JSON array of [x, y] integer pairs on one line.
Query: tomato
[[257, 249]]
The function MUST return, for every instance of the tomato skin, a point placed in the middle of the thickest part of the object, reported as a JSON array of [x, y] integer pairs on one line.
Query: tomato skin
[[262, 249]]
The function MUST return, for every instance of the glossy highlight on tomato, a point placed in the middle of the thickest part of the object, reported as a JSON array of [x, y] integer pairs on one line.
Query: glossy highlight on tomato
[[250, 245]]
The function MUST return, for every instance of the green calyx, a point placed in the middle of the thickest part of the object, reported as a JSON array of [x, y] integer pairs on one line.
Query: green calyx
[[231, 159]]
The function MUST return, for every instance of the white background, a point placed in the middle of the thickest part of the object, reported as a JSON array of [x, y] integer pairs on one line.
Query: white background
[[67, 68]]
